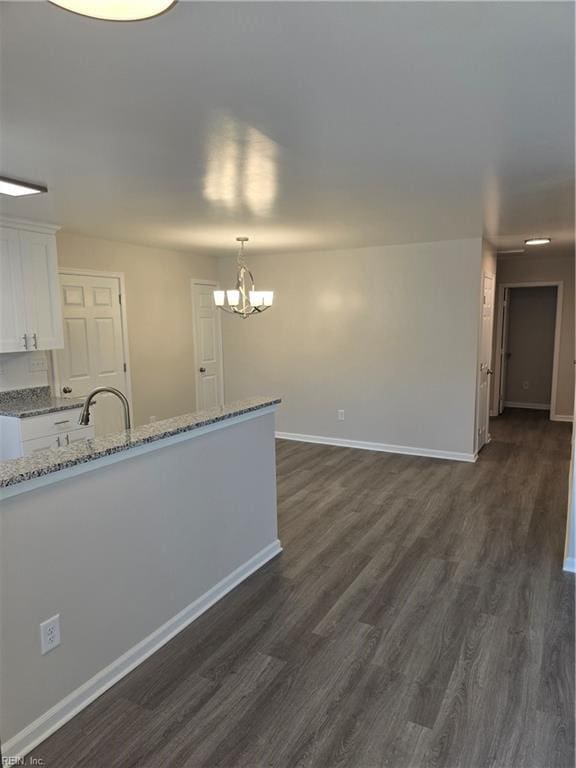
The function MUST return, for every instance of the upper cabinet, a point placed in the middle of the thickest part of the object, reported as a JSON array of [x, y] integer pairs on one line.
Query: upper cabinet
[[30, 310]]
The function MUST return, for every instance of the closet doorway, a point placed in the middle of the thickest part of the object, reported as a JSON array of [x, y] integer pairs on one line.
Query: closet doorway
[[528, 334]]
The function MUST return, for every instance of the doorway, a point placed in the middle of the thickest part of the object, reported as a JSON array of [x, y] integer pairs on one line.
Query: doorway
[[529, 319], [209, 374], [95, 350]]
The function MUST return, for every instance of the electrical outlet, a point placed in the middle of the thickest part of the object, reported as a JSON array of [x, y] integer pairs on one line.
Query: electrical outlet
[[37, 363], [525, 385], [50, 634], [340, 415], [151, 419]]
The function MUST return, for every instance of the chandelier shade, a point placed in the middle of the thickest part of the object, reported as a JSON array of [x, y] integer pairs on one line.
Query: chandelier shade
[[244, 300]]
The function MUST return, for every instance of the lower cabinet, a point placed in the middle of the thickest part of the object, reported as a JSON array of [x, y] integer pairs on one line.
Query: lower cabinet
[[60, 440], [23, 437]]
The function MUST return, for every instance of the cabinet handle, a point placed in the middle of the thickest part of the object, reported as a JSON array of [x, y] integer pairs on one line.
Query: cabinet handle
[[35, 337], [25, 338], [67, 439], [58, 442], [57, 423]]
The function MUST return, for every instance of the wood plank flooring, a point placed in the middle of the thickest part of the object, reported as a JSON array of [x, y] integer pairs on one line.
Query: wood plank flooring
[[418, 617]]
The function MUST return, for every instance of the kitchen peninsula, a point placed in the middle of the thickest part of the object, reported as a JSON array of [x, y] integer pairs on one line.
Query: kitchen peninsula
[[128, 538]]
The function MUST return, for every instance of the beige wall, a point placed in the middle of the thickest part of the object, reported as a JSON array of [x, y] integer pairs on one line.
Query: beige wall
[[388, 334], [542, 268], [159, 312]]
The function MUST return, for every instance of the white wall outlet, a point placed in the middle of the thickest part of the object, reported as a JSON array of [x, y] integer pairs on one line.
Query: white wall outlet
[[525, 385], [341, 415], [50, 634], [37, 363], [151, 419]]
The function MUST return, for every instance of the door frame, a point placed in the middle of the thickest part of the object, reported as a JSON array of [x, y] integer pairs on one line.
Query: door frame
[[56, 379], [215, 285], [559, 285], [477, 447]]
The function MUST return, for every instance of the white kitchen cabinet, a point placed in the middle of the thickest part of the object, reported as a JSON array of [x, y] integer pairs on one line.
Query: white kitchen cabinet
[[60, 440], [29, 447], [23, 437], [31, 315], [12, 315]]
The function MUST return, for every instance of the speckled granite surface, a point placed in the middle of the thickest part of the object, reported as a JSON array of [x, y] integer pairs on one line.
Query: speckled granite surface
[[46, 462], [34, 401]]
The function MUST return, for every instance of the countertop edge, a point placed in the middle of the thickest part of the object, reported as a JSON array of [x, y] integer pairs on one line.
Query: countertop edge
[[60, 470], [29, 413]]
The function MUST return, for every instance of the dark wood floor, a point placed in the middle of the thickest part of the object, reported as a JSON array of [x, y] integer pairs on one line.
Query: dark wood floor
[[418, 617]]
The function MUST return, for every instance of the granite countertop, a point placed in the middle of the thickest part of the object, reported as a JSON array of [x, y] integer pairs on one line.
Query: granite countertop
[[46, 462], [34, 401]]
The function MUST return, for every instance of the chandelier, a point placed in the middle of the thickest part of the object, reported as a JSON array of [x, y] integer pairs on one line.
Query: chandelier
[[244, 300], [116, 10]]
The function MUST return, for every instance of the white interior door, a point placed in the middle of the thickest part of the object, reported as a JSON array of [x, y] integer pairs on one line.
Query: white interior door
[[207, 347], [485, 365], [93, 354]]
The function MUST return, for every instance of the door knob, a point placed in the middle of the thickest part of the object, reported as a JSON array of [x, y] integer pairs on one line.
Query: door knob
[[66, 390], [202, 370], [489, 371]]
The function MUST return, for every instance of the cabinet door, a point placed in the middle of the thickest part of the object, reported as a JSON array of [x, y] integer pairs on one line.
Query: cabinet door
[[87, 433], [50, 442], [46, 443], [12, 318], [41, 290]]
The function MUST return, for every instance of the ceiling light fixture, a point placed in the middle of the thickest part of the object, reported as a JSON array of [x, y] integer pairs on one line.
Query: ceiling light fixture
[[16, 188], [538, 241], [244, 300], [116, 10]]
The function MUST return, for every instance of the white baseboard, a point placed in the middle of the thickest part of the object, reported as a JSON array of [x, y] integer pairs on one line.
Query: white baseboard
[[570, 564], [25, 741], [561, 417], [367, 446], [530, 406]]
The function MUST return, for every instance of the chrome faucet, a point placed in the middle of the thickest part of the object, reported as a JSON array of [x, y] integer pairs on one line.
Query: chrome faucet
[[85, 414]]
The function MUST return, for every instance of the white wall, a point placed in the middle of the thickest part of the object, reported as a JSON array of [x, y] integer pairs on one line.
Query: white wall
[[550, 266], [15, 371], [389, 334]]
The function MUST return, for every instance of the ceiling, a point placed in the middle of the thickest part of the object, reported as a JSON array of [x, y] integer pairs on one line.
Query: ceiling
[[303, 125]]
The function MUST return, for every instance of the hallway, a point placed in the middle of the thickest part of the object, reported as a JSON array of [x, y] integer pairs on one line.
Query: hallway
[[418, 616]]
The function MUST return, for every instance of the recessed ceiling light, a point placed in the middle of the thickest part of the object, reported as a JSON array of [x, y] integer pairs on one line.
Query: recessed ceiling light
[[16, 188], [538, 241], [116, 10]]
